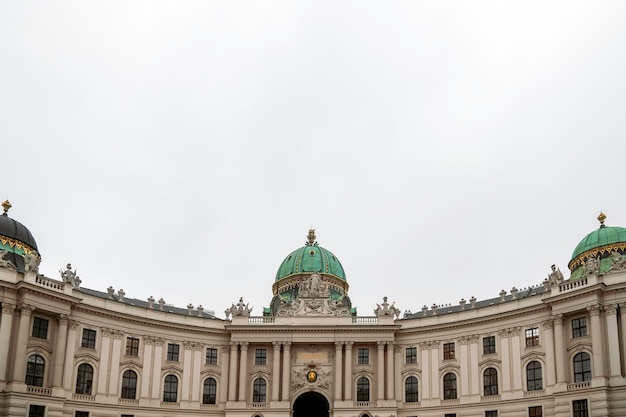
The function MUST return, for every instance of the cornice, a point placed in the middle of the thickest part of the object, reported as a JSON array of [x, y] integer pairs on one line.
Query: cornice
[[474, 321], [97, 311]]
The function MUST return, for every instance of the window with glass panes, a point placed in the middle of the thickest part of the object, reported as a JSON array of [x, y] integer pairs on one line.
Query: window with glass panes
[[173, 352], [89, 339], [579, 327], [132, 346], [534, 380], [532, 337], [536, 411], [211, 356], [36, 410], [582, 367], [411, 355], [489, 345], [580, 408], [363, 356], [448, 350], [260, 356], [40, 328]]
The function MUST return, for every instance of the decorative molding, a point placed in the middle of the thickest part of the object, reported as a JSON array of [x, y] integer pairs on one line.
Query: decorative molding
[[594, 310]]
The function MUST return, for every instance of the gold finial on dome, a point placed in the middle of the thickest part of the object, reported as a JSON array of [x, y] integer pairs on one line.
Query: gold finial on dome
[[6, 206], [311, 236], [601, 218]]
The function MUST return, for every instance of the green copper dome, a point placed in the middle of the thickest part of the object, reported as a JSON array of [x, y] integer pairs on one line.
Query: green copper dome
[[599, 243], [311, 258]]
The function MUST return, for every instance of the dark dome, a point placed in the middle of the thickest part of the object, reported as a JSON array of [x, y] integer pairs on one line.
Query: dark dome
[[15, 238]]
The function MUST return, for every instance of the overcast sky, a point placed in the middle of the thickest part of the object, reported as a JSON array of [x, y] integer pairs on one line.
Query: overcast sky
[[441, 150]]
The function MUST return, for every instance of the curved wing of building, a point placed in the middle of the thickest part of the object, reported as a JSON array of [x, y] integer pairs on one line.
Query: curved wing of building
[[554, 349]]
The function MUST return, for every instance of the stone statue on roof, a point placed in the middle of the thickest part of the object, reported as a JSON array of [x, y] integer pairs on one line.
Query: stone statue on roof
[[555, 277], [5, 263]]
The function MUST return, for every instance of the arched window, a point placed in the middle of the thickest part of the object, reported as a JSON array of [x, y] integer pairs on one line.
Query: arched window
[[259, 391], [129, 385], [363, 389], [534, 381], [170, 389], [84, 379], [410, 390], [582, 367], [209, 391], [34, 370], [490, 382], [449, 386]]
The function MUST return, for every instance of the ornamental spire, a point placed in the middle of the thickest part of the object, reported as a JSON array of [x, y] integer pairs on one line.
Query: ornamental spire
[[311, 237], [6, 206], [601, 217]]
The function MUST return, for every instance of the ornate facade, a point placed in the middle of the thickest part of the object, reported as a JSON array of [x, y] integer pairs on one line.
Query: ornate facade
[[554, 349]]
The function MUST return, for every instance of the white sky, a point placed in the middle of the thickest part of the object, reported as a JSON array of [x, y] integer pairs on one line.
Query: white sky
[[440, 149]]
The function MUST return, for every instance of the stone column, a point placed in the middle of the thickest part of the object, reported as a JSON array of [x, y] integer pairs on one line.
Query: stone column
[[6, 324], [426, 385], [390, 372], [105, 356], [434, 368], [596, 341], [59, 351], [463, 357], [196, 387], [232, 375], [243, 371], [116, 354], [286, 371], [559, 347], [516, 358], [622, 316], [397, 352], [613, 340], [347, 389], [548, 334], [380, 373], [276, 372], [506, 360], [157, 364], [148, 345], [70, 348], [473, 369], [19, 366], [187, 373], [338, 369], [224, 360]]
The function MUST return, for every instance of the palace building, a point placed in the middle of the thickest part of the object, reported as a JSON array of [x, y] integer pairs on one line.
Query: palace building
[[554, 349]]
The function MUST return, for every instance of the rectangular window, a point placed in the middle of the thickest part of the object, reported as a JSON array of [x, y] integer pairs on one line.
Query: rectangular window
[[580, 409], [532, 337], [173, 351], [81, 414], [489, 345], [448, 350], [363, 356], [132, 346], [260, 356], [579, 327], [127, 415], [449, 415], [40, 328], [491, 413], [89, 339], [211, 356], [535, 411], [411, 355], [36, 411]]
